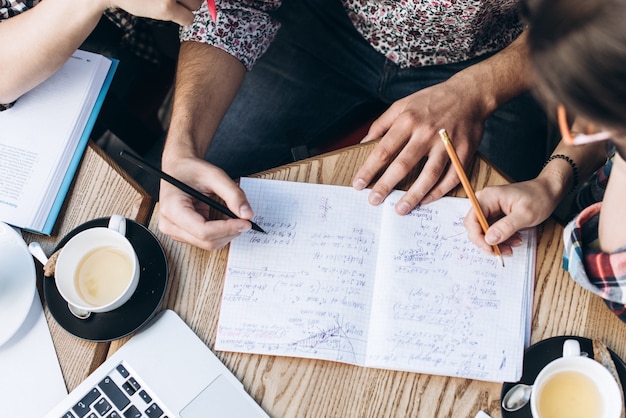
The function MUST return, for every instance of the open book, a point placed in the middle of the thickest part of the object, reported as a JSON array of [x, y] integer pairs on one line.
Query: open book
[[336, 278], [43, 137]]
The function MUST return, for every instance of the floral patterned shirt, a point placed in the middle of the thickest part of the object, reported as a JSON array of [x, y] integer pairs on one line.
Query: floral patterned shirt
[[411, 33]]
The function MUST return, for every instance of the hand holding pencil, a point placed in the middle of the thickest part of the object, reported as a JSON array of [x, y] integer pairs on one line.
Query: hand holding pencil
[[467, 187]]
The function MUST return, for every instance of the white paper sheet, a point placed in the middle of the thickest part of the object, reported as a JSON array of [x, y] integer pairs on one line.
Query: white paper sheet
[[31, 382]]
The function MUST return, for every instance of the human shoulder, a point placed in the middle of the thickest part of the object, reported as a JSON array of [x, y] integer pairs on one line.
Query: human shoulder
[[601, 273]]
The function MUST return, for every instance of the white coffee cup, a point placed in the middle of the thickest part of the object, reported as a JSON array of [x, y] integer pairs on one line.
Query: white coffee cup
[[575, 386], [97, 269]]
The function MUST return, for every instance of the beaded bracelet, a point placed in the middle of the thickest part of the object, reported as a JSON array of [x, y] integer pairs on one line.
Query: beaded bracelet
[[571, 163]]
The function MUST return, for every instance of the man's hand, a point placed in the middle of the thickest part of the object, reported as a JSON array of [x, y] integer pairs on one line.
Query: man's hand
[[408, 132], [187, 220]]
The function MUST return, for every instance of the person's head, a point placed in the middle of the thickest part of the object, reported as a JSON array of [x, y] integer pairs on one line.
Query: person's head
[[578, 52]]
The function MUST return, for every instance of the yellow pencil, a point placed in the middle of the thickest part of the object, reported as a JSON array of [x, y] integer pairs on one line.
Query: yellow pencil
[[468, 187]]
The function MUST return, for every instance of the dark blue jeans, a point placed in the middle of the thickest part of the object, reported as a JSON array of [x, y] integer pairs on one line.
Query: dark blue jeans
[[320, 77]]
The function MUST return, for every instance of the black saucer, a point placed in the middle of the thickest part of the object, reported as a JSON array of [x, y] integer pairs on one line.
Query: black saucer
[[543, 352], [140, 307]]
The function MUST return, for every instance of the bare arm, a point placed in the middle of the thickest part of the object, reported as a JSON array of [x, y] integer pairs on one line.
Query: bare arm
[[35, 44], [612, 228], [207, 80], [513, 207], [206, 83], [408, 130]]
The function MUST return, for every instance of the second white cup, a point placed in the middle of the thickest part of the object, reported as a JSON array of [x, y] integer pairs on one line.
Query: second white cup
[[97, 269], [575, 386]]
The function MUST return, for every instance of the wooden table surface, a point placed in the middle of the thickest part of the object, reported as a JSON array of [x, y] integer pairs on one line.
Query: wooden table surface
[[294, 387]]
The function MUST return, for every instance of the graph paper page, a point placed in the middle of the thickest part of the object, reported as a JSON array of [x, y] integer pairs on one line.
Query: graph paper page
[[303, 289], [443, 306], [338, 279]]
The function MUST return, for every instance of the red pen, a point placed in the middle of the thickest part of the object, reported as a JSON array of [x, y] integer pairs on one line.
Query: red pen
[[211, 5]]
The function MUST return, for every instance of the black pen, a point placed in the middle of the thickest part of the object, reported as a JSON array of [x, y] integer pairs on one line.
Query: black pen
[[185, 188]]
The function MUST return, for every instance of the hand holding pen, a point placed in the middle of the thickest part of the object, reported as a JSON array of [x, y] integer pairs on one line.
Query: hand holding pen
[[186, 219], [468, 188], [185, 188]]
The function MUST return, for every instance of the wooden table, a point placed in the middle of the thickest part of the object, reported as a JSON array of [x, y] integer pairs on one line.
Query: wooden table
[[100, 189], [294, 387]]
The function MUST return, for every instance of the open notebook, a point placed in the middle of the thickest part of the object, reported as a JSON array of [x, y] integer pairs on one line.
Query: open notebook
[[336, 278], [165, 370], [43, 137]]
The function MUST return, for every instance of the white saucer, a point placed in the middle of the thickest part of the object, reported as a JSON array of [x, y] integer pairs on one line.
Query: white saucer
[[17, 281]]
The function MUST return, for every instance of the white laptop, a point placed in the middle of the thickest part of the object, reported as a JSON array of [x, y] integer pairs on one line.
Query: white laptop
[[165, 370]]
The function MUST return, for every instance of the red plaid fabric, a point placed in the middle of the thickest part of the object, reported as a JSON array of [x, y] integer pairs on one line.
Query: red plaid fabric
[[601, 273]]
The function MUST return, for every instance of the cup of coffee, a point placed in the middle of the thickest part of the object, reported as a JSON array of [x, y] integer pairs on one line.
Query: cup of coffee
[[97, 269], [575, 386]]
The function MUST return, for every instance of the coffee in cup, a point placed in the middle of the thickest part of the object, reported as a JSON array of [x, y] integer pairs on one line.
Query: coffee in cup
[[102, 275], [97, 269], [575, 386]]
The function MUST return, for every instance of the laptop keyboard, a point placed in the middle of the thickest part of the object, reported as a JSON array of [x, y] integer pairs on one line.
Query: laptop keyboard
[[118, 395]]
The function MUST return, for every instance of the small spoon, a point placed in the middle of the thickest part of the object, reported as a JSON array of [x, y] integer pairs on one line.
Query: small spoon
[[48, 263], [519, 395], [36, 251], [516, 397], [77, 312]]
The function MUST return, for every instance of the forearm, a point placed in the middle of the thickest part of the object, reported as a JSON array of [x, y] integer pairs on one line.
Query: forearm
[[559, 175], [524, 204], [497, 79], [612, 228], [37, 42], [207, 80]]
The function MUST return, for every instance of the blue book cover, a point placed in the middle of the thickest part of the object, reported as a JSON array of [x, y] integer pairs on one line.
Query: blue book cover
[[78, 154]]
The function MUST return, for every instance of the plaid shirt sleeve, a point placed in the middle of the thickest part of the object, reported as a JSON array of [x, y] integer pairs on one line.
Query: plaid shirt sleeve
[[244, 29], [10, 8], [593, 189], [601, 273]]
